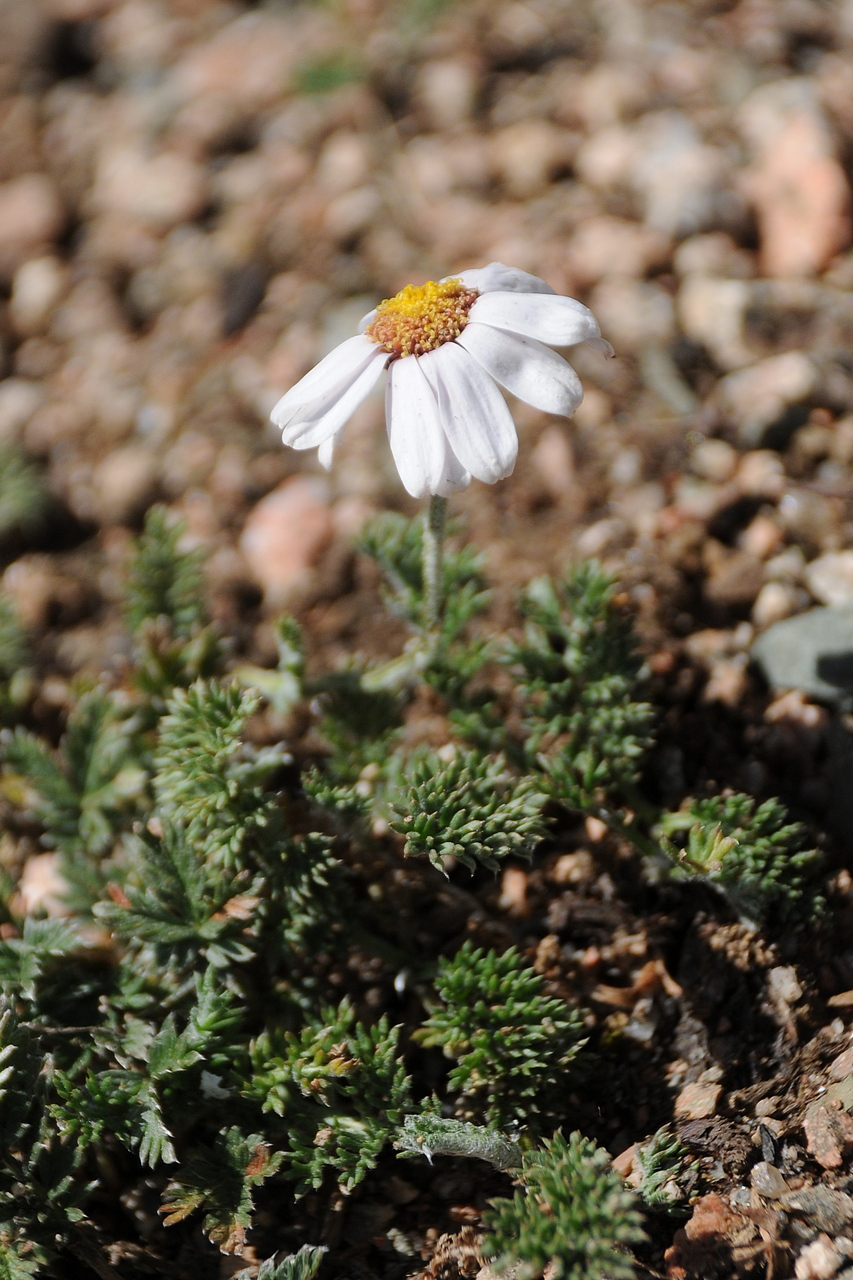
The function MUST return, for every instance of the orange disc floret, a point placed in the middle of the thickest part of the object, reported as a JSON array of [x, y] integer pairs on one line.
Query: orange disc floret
[[422, 317]]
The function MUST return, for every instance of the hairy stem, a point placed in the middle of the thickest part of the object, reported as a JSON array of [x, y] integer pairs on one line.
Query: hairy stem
[[433, 557]]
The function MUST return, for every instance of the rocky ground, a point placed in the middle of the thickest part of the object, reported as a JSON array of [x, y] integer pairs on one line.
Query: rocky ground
[[199, 199]]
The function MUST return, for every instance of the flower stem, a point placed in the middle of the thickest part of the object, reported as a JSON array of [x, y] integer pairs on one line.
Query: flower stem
[[433, 560]]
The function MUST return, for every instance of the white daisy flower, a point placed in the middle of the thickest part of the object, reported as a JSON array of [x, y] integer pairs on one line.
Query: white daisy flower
[[446, 345]]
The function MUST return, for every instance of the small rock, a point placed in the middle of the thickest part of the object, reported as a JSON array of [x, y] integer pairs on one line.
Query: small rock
[[159, 191], [513, 897], [36, 289], [123, 485], [727, 682], [761, 537], [554, 462], [41, 887], [607, 246], [812, 652], [681, 179], [633, 313], [712, 312], [775, 601], [527, 153], [818, 1261], [829, 1132], [830, 578], [783, 984], [285, 534], [697, 1101], [735, 578], [344, 162], [843, 1065], [823, 1207], [19, 400], [797, 185], [761, 473], [714, 460], [754, 399], [767, 1180], [31, 218], [704, 1246], [446, 89]]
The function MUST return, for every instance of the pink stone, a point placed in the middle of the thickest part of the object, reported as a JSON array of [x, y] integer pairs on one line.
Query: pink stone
[[798, 187], [286, 533], [31, 217]]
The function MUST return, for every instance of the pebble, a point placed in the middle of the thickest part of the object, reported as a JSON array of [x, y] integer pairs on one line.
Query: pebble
[[608, 246], [712, 312], [680, 178], [829, 1132], [41, 887], [527, 153], [754, 398], [819, 1260], [823, 1207], [446, 91], [19, 400], [697, 1101], [714, 460], [812, 652], [285, 534], [37, 288], [160, 191], [830, 578], [31, 218], [123, 485], [798, 187], [767, 1180], [774, 602], [633, 314]]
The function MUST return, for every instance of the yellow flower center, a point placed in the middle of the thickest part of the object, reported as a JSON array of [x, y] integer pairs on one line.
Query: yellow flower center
[[422, 317]]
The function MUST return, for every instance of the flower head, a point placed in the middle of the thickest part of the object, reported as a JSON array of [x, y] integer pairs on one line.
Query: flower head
[[445, 345]]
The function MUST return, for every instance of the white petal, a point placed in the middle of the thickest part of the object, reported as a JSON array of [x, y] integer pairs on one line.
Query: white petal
[[307, 431], [326, 450], [474, 414], [536, 374], [602, 346], [421, 452], [366, 320], [560, 322], [498, 277], [328, 380]]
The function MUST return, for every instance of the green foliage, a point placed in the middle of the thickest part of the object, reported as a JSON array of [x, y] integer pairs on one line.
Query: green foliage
[[469, 808], [23, 496], [340, 1089], [88, 791], [219, 1180], [573, 1216], [40, 1190], [513, 1046], [360, 724], [281, 687], [303, 1265], [665, 1164], [760, 860], [165, 610], [164, 581], [430, 1135], [327, 72], [206, 779], [396, 544], [579, 679], [13, 644]]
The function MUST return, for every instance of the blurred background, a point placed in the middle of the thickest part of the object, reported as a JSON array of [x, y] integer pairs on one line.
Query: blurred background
[[199, 199]]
